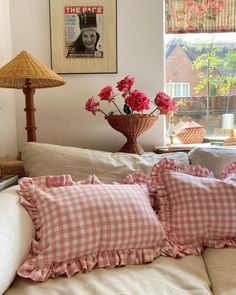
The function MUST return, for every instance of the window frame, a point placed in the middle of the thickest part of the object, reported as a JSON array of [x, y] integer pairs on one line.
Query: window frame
[[170, 88]]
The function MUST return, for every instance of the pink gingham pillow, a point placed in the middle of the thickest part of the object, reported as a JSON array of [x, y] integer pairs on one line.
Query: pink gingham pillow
[[80, 226], [195, 209], [229, 172], [138, 178]]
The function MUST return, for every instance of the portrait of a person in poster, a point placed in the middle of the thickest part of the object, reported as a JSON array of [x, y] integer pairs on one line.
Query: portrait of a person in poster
[[83, 31]]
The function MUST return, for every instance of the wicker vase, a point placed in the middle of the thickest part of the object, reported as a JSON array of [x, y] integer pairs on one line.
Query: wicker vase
[[131, 126]]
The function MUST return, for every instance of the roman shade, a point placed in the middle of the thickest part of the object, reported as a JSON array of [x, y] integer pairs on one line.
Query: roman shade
[[200, 16]]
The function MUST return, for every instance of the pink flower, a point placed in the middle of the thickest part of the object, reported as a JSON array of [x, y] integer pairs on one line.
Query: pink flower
[[223, 29], [106, 93], [134, 101], [137, 101], [125, 84], [215, 5], [192, 28], [165, 103], [92, 105]]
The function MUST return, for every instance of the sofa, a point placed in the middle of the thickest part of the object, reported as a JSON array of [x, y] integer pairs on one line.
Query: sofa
[[211, 272]]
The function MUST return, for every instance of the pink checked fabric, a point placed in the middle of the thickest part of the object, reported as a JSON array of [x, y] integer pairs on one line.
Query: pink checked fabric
[[196, 210], [80, 226], [229, 172], [139, 178]]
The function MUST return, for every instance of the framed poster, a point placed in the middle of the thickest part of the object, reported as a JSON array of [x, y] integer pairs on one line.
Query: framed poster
[[83, 36]]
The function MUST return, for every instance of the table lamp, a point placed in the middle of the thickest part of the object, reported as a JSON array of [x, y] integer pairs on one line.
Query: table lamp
[[27, 73]]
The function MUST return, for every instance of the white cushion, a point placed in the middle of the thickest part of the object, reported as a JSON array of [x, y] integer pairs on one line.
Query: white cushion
[[47, 159], [214, 159], [16, 233]]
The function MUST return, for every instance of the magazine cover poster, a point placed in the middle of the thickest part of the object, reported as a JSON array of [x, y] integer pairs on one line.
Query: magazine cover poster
[[83, 31]]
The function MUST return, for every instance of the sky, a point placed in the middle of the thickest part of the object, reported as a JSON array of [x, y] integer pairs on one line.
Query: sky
[[195, 38]]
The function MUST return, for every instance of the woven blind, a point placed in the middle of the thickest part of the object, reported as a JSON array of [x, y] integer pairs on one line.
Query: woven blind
[[200, 16]]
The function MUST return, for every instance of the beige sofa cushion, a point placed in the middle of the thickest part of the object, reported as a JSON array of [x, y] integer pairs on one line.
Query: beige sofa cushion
[[164, 276], [48, 159], [221, 267], [214, 159]]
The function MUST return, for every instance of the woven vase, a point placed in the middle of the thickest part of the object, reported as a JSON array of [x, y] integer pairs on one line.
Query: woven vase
[[131, 126]]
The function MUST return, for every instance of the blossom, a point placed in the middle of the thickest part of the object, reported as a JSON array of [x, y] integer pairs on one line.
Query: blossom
[[92, 105], [192, 28], [133, 101], [165, 103], [125, 84], [215, 5], [137, 101], [106, 93]]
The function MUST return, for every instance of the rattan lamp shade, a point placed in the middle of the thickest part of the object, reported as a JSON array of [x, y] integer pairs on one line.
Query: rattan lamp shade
[[27, 73], [25, 66]]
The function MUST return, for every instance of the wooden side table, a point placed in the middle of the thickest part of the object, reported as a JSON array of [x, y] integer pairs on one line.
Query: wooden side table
[[11, 166]]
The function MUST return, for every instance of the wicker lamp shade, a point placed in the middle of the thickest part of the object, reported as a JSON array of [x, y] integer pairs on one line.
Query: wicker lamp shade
[[27, 73], [25, 66]]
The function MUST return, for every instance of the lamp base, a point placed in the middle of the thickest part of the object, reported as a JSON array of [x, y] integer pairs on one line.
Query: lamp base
[[30, 109]]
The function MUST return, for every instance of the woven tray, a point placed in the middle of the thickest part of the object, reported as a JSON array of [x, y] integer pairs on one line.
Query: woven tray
[[11, 166]]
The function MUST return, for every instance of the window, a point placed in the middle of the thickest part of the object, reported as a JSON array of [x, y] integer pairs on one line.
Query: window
[[208, 63], [178, 89], [201, 62], [185, 90]]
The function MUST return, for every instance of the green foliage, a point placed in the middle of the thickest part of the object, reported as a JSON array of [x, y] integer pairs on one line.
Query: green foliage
[[207, 60], [217, 71], [127, 109]]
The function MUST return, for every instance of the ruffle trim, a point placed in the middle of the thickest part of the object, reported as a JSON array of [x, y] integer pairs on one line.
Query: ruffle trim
[[105, 259], [142, 178], [170, 247], [49, 181], [45, 181], [27, 191], [230, 169]]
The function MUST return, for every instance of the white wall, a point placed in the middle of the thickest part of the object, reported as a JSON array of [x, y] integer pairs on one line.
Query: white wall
[[8, 143], [60, 116]]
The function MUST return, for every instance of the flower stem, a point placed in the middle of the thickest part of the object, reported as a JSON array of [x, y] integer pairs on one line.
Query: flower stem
[[153, 111], [116, 106], [102, 112]]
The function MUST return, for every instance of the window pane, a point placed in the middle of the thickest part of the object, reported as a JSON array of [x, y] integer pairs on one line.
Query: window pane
[[202, 71], [168, 88], [185, 90], [177, 90]]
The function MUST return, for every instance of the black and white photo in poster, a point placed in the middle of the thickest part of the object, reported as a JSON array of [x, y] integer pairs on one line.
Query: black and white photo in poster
[[83, 31]]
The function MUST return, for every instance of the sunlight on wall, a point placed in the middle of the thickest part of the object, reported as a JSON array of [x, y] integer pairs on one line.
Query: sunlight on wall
[[8, 143]]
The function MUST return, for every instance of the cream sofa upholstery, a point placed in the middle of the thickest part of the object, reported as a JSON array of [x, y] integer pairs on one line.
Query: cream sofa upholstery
[[43, 159], [213, 272]]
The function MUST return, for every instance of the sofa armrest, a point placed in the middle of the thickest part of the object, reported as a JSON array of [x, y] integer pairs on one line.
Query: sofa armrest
[[16, 233]]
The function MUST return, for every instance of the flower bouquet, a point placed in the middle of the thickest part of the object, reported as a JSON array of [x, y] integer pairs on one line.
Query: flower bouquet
[[132, 120]]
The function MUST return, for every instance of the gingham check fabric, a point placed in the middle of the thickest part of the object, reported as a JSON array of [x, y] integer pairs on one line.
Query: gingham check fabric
[[79, 226], [138, 178], [196, 210], [229, 172]]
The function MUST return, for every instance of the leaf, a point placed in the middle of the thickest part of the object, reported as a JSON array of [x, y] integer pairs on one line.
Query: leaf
[[127, 109], [111, 113]]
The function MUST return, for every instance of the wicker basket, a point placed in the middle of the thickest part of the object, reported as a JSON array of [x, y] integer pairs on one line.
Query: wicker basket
[[191, 132], [131, 126], [11, 166]]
